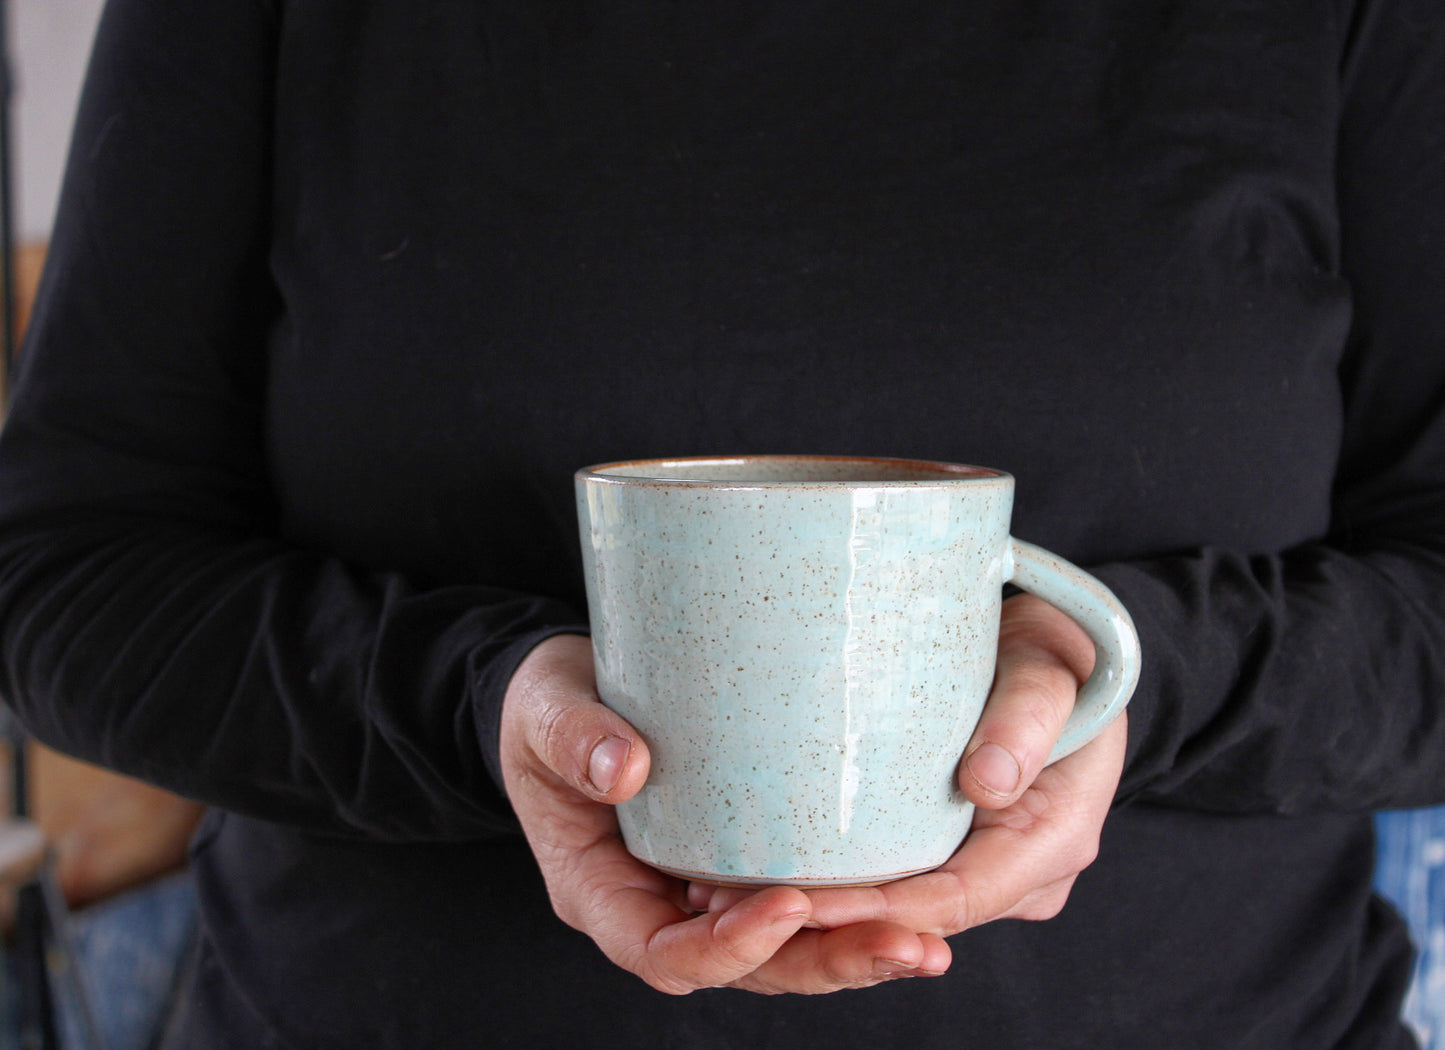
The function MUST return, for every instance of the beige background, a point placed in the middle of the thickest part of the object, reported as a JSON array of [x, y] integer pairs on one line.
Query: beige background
[[49, 42]]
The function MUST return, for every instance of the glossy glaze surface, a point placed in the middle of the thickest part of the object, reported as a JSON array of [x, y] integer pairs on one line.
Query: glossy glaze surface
[[806, 645]]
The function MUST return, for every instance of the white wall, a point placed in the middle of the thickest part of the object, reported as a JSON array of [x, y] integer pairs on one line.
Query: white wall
[[49, 42]]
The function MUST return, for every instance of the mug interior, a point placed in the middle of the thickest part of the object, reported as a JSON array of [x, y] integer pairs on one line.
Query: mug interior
[[791, 470]]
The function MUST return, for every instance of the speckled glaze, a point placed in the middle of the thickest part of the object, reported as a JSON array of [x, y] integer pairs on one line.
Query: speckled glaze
[[806, 644]]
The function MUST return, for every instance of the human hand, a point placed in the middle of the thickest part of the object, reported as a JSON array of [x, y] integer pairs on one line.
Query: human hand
[[1036, 827], [109, 832], [566, 761]]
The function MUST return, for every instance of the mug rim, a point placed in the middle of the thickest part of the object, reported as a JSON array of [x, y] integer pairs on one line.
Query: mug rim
[[932, 473]]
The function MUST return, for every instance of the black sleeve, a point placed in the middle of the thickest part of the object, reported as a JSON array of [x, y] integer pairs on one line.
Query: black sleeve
[[151, 618], [1314, 679]]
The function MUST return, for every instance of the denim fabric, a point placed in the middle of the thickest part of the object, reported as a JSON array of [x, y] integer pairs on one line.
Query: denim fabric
[[127, 951], [1411, 875]]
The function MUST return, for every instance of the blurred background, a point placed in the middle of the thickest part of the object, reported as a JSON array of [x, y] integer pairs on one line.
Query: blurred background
[[49, 42], [95, 906]]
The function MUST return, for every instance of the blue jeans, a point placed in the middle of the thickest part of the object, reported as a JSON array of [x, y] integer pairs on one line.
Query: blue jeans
[[1411, 875], [128, 952]]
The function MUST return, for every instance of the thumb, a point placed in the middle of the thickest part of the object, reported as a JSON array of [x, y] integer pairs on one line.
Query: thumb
[[554, 716], [590, 748]]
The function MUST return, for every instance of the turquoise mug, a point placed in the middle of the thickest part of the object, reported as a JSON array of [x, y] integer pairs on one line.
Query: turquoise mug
[[806, 644]]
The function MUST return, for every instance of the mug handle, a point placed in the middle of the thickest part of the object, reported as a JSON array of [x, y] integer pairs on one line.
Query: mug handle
[[1107, 623]]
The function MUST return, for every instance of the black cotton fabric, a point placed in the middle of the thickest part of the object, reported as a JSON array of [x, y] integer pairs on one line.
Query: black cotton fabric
[[342, 291]]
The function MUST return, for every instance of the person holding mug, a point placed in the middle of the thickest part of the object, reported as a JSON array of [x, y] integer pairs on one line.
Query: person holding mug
[[342, 294]]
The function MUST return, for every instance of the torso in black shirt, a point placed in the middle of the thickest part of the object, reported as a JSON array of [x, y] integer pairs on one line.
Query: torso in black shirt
[[1095, 245]]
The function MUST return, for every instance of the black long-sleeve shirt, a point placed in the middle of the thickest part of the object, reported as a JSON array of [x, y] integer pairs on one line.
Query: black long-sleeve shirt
[[342, 291]]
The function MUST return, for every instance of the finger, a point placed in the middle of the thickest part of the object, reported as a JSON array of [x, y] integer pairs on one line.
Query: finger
[[637, 915], [552, 706], [709, 897], [558, 781], [677, 955], [700, 895], [1043, 659], [1018, 862], [1053, 830], [718, 898], [855, 956], [1044, 903]]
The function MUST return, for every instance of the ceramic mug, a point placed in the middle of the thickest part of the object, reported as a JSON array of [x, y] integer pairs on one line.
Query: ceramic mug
[[806, 644]]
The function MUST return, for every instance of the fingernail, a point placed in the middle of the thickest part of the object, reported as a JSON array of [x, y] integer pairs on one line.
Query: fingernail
[[995, 770], [892, 968], [604, 767], [699, 895], [791, 918]]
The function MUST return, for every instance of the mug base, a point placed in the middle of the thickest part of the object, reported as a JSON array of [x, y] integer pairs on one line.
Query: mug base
[[801, 881]]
